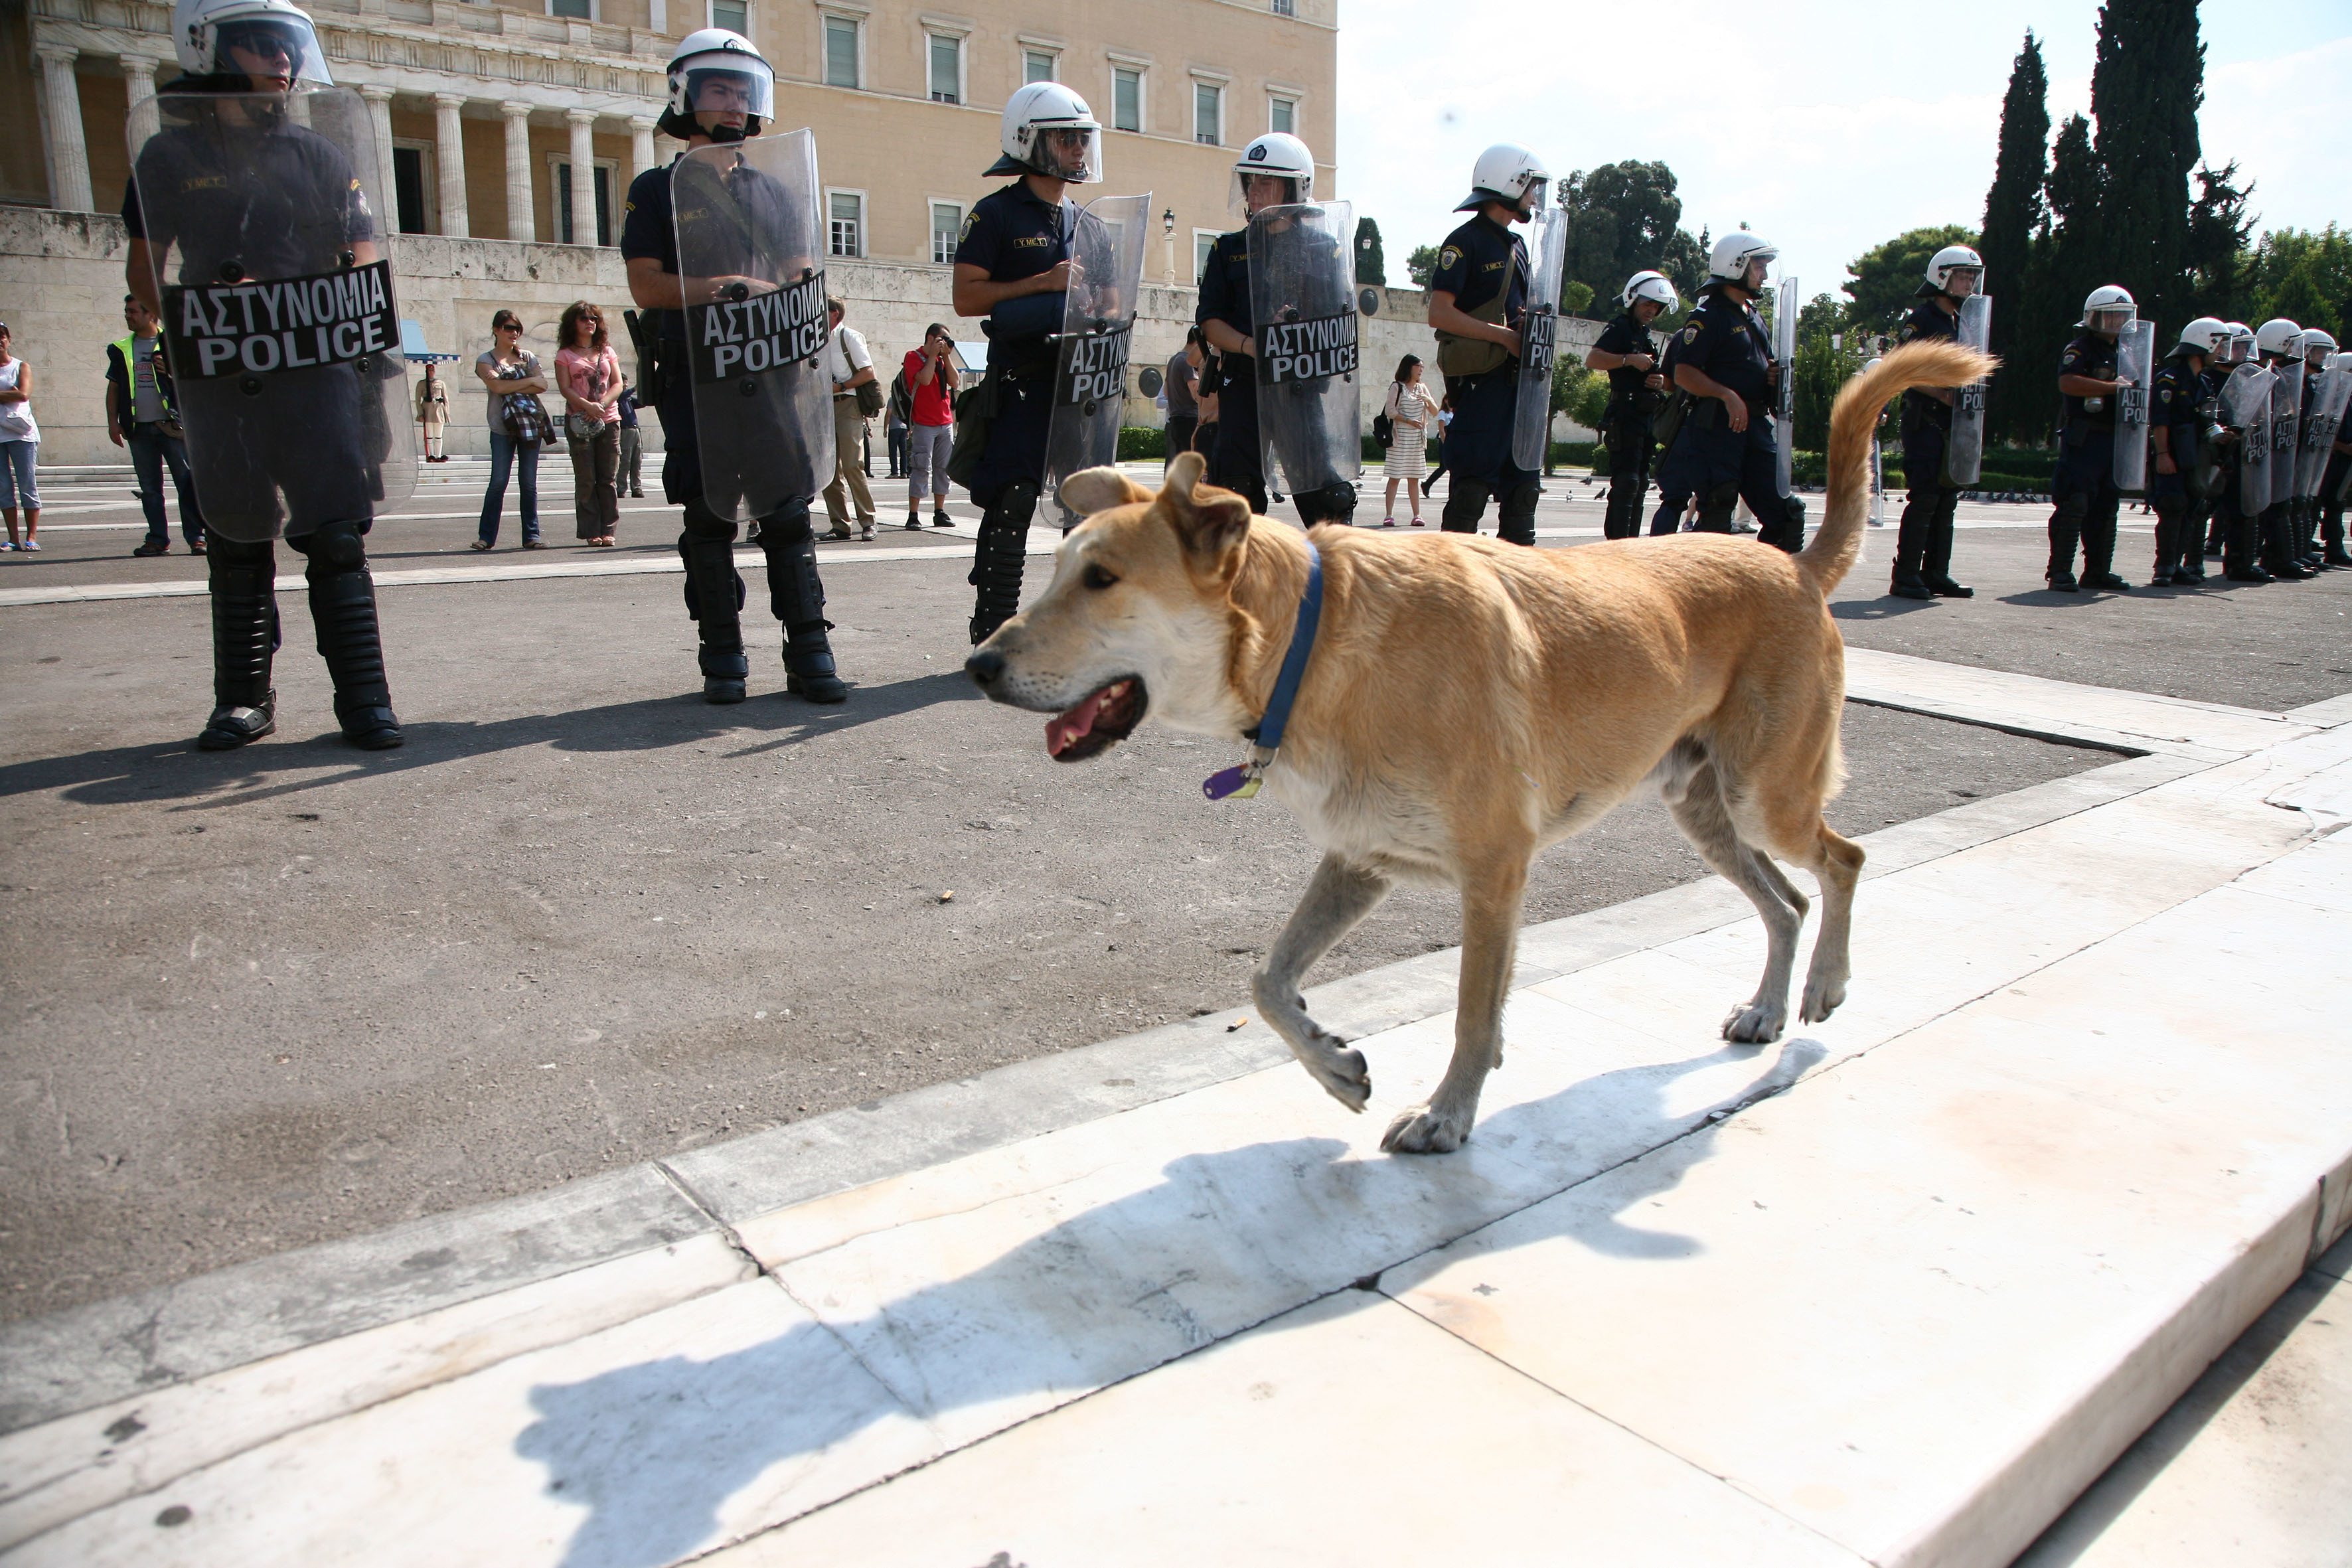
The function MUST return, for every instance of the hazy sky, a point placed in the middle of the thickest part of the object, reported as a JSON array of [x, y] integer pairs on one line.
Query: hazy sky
[[1826, 125]]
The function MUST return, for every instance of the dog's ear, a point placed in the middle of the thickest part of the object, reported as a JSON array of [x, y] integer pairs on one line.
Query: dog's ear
[[1207, 519], [1090, 490]]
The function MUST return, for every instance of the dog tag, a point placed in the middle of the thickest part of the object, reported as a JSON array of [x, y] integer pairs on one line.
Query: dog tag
[[1235, 780]]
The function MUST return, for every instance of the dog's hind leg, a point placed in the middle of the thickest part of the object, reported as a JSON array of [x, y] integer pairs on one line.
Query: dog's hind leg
[[1340, 896], [1492, 894], [1838, 865], [1704, 815]]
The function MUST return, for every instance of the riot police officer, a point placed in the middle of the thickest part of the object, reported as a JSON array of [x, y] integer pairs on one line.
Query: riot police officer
[[1923, 545], [255, 202], [1275, 170], [2085, 499], [2318, 348], [2225, 435], [722, 91], [2177, 417], [1726, 451], [1635, 387], [1013, 266], [2279, 343], [1475, 299], [2328, 500]]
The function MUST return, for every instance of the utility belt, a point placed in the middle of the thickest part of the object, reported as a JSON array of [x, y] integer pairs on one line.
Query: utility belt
[[975, 411], [657, 359]]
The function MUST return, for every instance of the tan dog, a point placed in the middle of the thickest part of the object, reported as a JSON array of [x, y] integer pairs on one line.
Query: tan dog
[[1467, 702]]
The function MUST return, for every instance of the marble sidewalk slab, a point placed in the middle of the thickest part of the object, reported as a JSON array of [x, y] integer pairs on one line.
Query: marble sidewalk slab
[[1349, 1431]]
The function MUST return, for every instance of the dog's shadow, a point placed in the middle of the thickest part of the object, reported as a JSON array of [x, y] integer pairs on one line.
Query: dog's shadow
[[653, 1451]]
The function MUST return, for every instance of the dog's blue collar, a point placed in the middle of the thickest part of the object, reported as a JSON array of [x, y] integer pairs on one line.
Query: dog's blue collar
[[1265, 740]]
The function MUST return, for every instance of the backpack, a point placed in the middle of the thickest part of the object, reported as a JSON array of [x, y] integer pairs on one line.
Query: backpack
[[1383, 427]]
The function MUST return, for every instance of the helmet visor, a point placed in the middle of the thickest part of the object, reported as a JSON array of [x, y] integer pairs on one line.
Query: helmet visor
[[2235, 349], [742, 85], [1255, 190], [1960, 282], [268, 46], [2110, 320], [1071, 152]]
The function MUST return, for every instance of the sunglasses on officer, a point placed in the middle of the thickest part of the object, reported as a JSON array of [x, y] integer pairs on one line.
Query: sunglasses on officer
[[262, 43]]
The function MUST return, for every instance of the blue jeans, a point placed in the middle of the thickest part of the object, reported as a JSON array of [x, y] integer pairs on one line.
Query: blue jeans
[[150, 452], [522, 457]]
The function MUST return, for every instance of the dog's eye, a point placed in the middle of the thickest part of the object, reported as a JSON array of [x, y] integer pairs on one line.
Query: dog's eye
[[1096, 577]]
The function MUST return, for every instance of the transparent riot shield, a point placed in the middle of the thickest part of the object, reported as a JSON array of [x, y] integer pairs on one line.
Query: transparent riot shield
[[1539, 338], [1964, 445], [2286, 428], [751, 265], [2135, 375], [2246, 408], [1784, 404], [1106, 247], [280, 324], [1302, 302], [2322, 424]]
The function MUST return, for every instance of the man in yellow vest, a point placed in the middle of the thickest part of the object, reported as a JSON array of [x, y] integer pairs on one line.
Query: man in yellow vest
[[140, 416]]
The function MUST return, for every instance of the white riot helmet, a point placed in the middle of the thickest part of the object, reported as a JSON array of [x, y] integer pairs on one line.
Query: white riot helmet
[[2318, 347], [1653, 287], [2205, 335], [2239, 349], [1048, 129], [2108, 309], [1729, 261], [714, 69], [1281, 154], [1509, 174], [1955, 259], [2279, 337], [203, 30]]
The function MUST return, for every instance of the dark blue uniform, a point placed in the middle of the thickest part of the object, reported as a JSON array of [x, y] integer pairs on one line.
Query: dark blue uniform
[[1484, 266], [1672, 502], [2082, 491], [2281, 546], [2178, 502], [1724, 339], [1923, 545], [706, 542], [1238, 463], [1625, 426]]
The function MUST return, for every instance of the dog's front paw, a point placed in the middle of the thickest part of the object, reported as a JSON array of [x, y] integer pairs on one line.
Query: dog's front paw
[[1342, 1072], [1758, 1024], [1425, 1130], [1823, 997]]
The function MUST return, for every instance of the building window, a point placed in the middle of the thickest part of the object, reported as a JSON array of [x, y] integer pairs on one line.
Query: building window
[[947, 229], [735, 16], [1204, 240], [1286, 7], [1208, 113], [1283, 116], [1037, 65], [845, 224], [947, 69], [604, 175], [1126, 98], [576, 10], [840, 52]]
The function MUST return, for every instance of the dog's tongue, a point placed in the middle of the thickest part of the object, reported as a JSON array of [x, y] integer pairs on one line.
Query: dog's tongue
[[1067, 729]]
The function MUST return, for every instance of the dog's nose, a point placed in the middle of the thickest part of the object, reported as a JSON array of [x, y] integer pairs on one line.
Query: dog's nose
[[985, 668]]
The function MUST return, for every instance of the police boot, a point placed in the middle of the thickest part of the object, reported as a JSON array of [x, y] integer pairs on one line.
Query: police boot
[[997, 564], [342, 612], [2278, 547], [1910, 579], [1465, 504], [2307, 532], [714, 602], [245, 633], [2167, 548], [1623, 518], [1334, 504], [1937, 567], [2331, 532], [2065, 533], [796, 593], [1515, 520], [2241, 538], [2099, 557]]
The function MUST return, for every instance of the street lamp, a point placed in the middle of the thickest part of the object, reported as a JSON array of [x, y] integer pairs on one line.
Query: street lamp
[[1167, 240]]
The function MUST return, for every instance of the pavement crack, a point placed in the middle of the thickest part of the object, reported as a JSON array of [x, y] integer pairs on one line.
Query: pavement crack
[[727, 1233]]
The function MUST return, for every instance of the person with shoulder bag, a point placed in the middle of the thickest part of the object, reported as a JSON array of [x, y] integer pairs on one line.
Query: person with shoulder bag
[[1410, 412], [588, 373], [856, 397], [510, 374]]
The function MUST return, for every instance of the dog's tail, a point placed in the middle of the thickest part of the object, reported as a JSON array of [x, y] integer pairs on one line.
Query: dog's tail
[[1937, 362]]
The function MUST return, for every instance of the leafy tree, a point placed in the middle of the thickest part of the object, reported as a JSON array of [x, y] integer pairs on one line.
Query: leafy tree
[[2146, 85], [1622, 219], [1371, 264], [2218, 228], [1421, 265], [2014, 211], [1886, 279], [2066, 266], [1574, 297], [2303, 276]]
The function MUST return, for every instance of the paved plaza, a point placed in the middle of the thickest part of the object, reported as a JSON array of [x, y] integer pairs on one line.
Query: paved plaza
[[613, 1130]]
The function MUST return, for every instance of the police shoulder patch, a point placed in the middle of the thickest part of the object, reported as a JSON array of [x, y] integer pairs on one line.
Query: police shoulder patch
[[1450, 256], [1690, 333], [969, 219]]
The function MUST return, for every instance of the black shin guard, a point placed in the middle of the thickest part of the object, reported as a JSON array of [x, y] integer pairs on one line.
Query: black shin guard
[[1715, 507], [1465, 504], [997, 564], [1333, 503], [2171, 530], [796, 595], [243, 580], [714, 601], [1514, 519], [342, 612]]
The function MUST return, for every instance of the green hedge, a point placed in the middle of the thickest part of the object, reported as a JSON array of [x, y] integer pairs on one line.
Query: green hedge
[[1137, 442]]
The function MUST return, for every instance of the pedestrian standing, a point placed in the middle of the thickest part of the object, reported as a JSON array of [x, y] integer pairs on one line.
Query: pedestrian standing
[[931, 373], [1411, 413], [20, 444], [509, 373], [631, 477], [140, 416], [588, 374], [1182, 390], [851, 367], [1637, 385], [2084, 496], [894, 420], [1476, 298], [432, 413], [1923, 543]]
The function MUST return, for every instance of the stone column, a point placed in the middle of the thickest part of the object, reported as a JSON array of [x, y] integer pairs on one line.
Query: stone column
[[641, 145], [449, 152], [68, 154], [379, 102], [138, 78], [523, 218], [583, 175]]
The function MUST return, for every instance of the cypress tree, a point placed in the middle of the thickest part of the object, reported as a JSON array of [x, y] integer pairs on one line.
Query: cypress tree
[[2146, 89], [2065, 267], [2013, 210], [2219, 227]]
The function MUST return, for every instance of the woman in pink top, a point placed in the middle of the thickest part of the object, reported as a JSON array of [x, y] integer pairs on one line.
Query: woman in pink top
[[588, 373], [931, 373]]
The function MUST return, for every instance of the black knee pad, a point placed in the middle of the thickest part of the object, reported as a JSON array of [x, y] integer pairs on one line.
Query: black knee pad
[[331, 548], [1464, 504], [2070, 507], [1332, 503], [795, 591], [223, 552], [712, 579], [1716, 507]]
